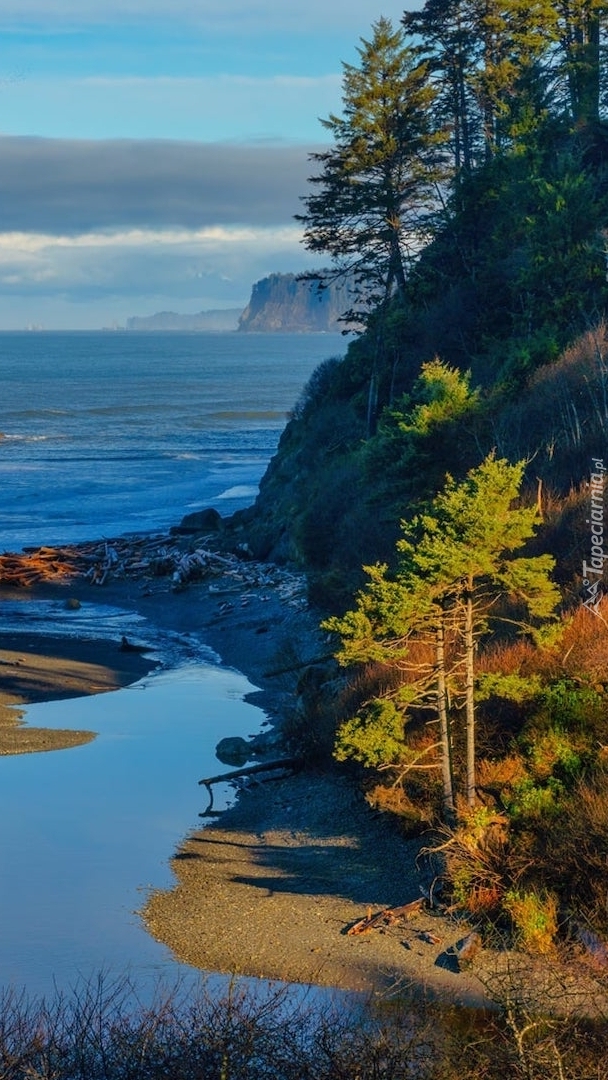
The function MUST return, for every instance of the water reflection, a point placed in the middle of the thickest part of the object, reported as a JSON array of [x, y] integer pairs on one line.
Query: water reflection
[[85, 832]]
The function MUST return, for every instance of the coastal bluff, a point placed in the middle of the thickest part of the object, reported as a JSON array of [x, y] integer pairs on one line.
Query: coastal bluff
[[284, 303], [279, 303]]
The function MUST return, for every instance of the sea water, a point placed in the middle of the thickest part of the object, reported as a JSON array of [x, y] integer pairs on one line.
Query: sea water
[[106, 434], [103, 434]]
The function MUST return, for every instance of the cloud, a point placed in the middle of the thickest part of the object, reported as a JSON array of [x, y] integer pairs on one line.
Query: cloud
[[63, 187], [97, 279], [178, 265], [92, 232]]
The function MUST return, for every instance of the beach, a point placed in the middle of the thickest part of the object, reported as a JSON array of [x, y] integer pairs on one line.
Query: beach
[[271, 887]]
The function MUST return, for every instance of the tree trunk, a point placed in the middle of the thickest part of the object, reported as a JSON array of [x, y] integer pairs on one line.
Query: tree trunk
[[372, 405], [444, 729], [396, 271], [469, 691], [581, 37]]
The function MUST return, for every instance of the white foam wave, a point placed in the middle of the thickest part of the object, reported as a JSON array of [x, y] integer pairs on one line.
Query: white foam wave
[[240, 491], [6, 437]]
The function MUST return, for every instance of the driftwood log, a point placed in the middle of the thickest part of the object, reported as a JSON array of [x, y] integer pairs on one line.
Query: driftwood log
[[289, 763], [387, 917]]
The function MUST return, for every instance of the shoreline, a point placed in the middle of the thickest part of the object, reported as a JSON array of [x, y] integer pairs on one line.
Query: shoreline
[[270, 888], [35, 667]]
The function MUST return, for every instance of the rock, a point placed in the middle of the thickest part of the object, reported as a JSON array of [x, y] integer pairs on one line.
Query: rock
[[233, 751], [129, 646], [286, 303], [72, 604], [595, 949], [466, 950], [201, 521]]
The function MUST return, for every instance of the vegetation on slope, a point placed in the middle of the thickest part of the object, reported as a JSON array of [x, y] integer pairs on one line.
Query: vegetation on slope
[[467, 192]]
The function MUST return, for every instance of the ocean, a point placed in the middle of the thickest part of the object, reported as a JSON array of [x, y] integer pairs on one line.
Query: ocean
[[108, 433]]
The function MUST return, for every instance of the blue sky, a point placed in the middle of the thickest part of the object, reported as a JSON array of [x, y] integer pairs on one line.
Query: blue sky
[[153, 151]]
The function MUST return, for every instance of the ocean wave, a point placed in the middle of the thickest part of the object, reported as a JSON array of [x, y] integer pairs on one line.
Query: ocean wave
[[7, 437], [239, 491]]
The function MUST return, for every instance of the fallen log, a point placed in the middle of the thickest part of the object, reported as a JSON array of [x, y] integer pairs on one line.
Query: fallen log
[[387, 917], [248, 770]]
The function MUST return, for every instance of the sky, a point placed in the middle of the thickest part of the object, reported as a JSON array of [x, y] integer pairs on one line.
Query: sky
[[153, 153]]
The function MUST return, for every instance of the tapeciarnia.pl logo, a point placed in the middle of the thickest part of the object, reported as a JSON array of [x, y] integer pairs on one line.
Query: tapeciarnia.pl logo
[[593, 571]]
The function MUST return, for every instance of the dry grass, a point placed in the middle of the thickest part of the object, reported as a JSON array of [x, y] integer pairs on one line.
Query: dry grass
[[559, 422]]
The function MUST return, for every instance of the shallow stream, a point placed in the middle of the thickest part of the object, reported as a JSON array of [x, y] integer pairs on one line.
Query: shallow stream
[[86, 832]]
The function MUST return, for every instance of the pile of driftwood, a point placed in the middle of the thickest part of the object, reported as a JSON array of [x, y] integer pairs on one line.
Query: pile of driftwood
[[43, 564], [148, 558]]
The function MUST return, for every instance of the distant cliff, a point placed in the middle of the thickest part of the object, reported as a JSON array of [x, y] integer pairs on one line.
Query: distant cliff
[[221, 319], [281, 302]]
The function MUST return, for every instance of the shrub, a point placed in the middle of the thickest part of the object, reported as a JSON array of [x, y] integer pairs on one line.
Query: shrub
[[554, 753], [414, 816], [474, 856], [534, 802], [318, 388], [534, 916], [105, 1033], [573, 859]]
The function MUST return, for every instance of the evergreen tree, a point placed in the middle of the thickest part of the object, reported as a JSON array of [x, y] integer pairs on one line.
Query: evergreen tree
[[393, 611], [490, 61], [581, 23], [445, 37], [454, 562], [369, 208], [464, 547]]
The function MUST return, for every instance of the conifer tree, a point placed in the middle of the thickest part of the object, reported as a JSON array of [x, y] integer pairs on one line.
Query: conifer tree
[[370, 203], [463, 547], [444, 36], [391, 612], [454, 561], [490, 62], [581, 23]]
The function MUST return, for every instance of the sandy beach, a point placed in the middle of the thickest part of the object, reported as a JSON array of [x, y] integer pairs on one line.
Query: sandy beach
[[271, 887]]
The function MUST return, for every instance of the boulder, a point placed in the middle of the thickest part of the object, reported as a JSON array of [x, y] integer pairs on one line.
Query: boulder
[[201, 521], [233, 751]]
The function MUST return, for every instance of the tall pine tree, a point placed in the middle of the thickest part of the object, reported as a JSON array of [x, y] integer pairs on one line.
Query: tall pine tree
[[370, 201]]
